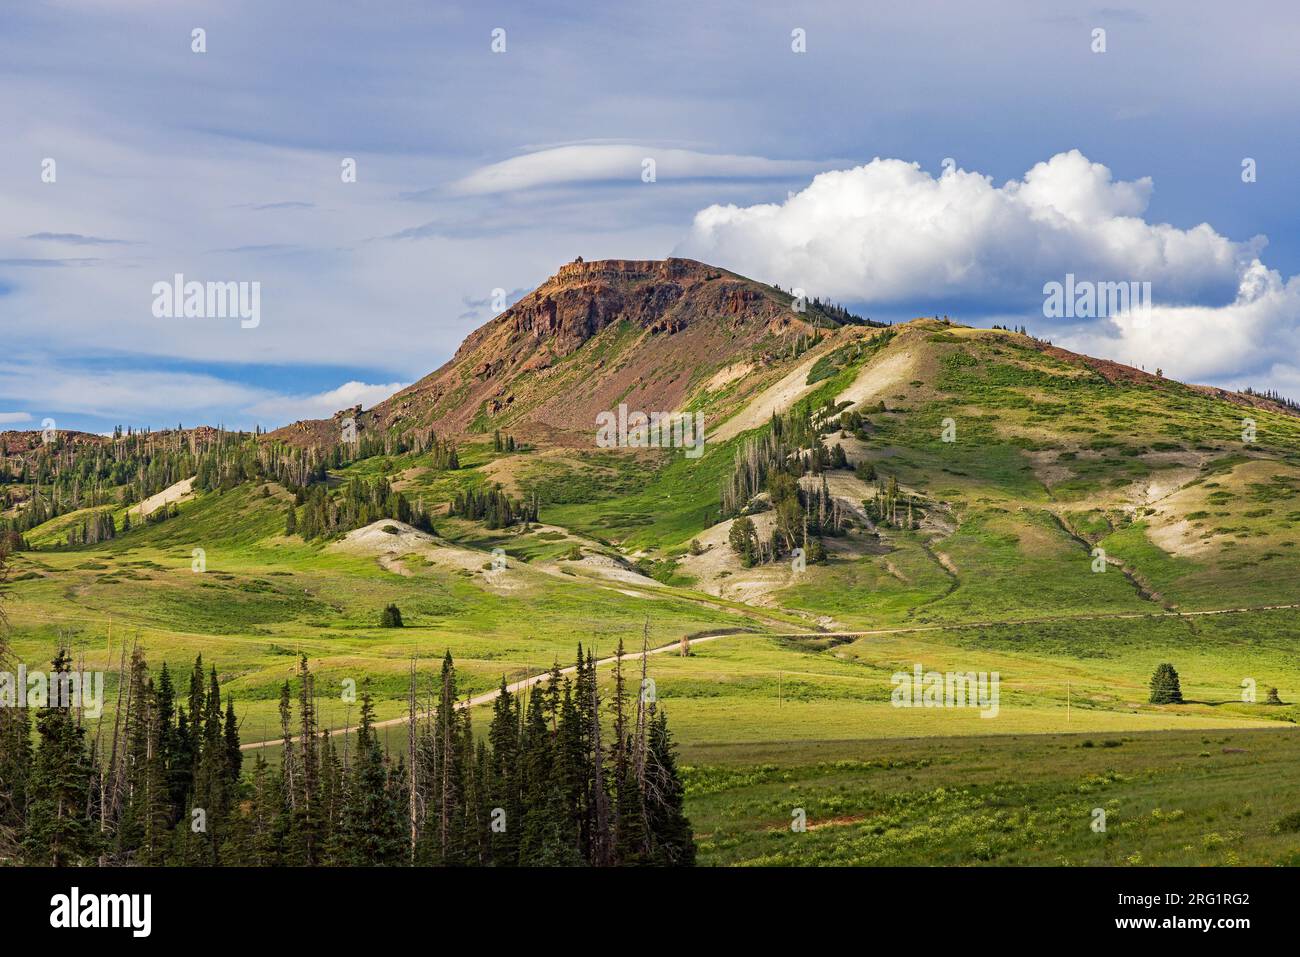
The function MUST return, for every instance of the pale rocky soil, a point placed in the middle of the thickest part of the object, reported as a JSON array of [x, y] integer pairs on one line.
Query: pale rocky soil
[[388, 549], [718, 571], [777, 397], [725, 376], [884, 376], [180, 492], [1180, 536]]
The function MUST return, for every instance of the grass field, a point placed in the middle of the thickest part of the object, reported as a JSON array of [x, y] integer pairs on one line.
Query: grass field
[[1169, 798], [792, 708]]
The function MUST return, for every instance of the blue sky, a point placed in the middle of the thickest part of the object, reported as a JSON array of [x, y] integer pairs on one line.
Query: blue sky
[[479, 171]]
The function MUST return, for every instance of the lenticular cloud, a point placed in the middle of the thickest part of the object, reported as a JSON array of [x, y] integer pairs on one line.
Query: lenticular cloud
[[890, 232]]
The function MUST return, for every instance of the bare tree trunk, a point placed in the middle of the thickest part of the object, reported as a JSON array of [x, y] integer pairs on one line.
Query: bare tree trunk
[[600, 800], [410, 761], [638, 756]]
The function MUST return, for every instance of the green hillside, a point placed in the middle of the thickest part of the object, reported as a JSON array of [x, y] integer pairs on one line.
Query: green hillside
[[983, 470]]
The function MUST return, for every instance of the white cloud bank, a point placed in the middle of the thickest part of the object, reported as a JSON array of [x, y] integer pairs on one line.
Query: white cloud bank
[[890, 233], [127, 396], [283, 408]]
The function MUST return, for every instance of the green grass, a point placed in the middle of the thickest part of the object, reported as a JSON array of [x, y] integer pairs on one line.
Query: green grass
[[1050, 460], [1169, 798]]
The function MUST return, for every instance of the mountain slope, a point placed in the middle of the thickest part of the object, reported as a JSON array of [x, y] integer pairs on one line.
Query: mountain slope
[[651, 334], [984, 561]]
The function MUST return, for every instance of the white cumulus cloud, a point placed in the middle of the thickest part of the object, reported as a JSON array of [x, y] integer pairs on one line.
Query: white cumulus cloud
[[890, 232], [1252, 341]]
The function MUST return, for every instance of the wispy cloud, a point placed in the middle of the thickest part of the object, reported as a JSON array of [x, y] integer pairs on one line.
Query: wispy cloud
[[601, 162], [47, 263], [287, 204], [77, 239]]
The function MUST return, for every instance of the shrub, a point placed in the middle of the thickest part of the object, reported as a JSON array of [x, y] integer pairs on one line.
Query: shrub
[[391, 617], [1289, 824]]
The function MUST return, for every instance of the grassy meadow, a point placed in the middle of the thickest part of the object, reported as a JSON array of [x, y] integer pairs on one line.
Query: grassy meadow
[[790, 704]]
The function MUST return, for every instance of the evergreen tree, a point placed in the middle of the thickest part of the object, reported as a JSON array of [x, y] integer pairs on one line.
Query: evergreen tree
[[147, 815], [1165, 688], [504, 784], [15, 740], [372, 832], [234, 756], [629, 837], [59, 832], [672, 841], [547, 836]]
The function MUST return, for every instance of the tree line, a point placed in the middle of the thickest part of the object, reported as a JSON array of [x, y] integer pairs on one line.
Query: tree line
[[359, 503], [167, 783], [72, 472], [493, 507]]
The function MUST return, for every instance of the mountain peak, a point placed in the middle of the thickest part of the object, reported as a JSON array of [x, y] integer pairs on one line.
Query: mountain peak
[[626, 270], [648, 330]]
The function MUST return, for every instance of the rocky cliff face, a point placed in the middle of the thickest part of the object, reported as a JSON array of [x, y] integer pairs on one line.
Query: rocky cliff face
[[592, 335], [582, 298]]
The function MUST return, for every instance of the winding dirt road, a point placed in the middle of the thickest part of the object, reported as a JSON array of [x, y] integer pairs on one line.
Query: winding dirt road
[[514, 688]]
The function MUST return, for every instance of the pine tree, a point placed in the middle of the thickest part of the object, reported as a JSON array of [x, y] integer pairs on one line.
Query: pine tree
[[447, 780], [234, 756], [306, 825], [629, 836], [372, 832], [212, 789], [15, 772], [547, 838], [503, 784], [265, 825], [59, 832], [142, 830], [672, 841], [15, 741], [1165, 688]]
